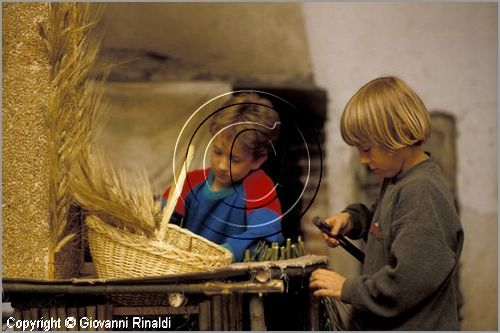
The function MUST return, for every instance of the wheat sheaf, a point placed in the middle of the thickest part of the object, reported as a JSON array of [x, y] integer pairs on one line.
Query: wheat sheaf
[[125, 200], [71, 43]]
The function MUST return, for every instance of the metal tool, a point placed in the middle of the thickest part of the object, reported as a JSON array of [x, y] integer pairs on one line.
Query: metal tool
[[348, 246]]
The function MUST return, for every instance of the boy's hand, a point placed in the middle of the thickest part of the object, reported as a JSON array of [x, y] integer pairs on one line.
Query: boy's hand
[[341, 225], [327, 283]]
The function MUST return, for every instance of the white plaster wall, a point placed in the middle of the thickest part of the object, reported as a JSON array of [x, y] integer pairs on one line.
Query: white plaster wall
[[231, 41], [448, 53]]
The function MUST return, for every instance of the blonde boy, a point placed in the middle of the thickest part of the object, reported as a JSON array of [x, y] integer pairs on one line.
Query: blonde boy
[[413, 234], [234, 202]]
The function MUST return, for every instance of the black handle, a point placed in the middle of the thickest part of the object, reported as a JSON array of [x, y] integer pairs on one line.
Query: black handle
[[348, 246]]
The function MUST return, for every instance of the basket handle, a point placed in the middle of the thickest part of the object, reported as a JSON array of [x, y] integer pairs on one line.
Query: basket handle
[[175, 192]]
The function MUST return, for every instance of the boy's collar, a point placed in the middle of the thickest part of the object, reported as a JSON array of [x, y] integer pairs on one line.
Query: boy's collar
[[215, 195], [402, 174]]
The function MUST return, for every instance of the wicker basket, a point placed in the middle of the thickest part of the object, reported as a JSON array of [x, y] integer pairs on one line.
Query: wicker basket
[[119, 254]]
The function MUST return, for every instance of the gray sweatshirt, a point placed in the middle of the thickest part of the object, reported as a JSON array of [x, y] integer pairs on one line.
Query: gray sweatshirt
[[413, 243]]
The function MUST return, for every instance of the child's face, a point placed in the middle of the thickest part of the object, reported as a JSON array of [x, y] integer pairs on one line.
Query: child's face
[[383, 162], [230, 166]]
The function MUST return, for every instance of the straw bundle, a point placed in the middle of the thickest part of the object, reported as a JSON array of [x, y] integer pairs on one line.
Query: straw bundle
[[114, 197], [71, 45]]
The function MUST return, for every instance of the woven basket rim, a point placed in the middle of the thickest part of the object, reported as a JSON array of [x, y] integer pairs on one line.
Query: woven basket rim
[[143, 243]]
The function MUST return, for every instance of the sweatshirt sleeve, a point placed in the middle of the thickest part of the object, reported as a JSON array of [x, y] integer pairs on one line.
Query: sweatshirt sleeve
[[193, 178], [361, 217], [420, 261]]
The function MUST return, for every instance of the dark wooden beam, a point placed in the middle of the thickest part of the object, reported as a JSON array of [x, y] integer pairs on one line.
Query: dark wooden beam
[[207, 288]]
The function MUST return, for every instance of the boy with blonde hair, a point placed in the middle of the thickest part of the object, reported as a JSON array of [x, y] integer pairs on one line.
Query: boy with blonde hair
[[413, 233], [234, 202]]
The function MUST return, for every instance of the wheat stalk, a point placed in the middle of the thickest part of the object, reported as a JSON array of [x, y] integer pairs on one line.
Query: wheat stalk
[[71, 46], [106, 192]]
